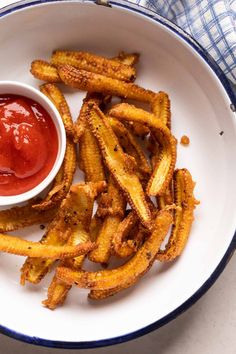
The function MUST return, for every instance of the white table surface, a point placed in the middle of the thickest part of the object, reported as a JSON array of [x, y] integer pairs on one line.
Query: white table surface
[[207, 327]]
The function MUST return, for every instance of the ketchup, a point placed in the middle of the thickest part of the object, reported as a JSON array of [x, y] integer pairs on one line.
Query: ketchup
[[28, 144]]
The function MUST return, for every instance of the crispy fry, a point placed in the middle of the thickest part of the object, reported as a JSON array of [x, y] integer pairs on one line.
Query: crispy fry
[[128, 59], [161, 108], [58, 233], [183, 215], [127, 274], [95, 227], [138, 129], [85, 195], [121, 247], [80, 123], [44, 71], [20, 247], [113, 209], [90, 159], [164, 168], [91, 82], [131, 147], [61, 186], [121, 165], [94, 63], [19, 217], [58, 99]]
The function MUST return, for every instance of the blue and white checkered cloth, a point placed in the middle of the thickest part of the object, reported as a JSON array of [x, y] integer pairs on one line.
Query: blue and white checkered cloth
[[211, 22]]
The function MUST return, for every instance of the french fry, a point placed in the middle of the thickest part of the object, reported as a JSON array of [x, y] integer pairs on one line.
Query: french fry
[[113, 211], [91, 82], [160, 107], [128, 59], [131, 147], [127, 274], [20, 247], [121, 246], [58, 233], [56, 96], [62, 182], [22, 216], [85, 195], [90, 159], [121, 165], [164, 168], [95, 64], [183, 215], [44, 71]]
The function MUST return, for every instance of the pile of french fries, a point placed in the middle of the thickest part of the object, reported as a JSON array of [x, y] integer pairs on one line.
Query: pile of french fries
[[138, 199]]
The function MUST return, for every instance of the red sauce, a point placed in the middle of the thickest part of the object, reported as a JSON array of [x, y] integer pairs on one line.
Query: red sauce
[[28, 144]]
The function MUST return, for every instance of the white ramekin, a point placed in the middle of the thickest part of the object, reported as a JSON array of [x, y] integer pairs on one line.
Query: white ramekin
[[18, 88]]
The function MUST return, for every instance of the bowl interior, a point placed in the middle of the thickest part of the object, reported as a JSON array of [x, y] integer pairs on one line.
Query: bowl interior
[[200, 109]]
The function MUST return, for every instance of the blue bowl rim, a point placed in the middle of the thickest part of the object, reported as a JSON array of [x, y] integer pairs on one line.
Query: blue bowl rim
[[230, 250]]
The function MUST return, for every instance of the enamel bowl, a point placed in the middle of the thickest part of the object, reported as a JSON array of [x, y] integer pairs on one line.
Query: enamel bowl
[[22, 89], [203, 106]]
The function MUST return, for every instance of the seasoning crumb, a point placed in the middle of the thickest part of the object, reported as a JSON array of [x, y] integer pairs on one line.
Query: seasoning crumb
[[42, 227], [184, 140], [221, 133]]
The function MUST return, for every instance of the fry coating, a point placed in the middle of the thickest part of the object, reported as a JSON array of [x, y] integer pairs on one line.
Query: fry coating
[[18, 246], [92, 82], [128, 59], [94, 63], [160, 107], [57, 234], [90, 159], [121, 247], [44, 71], [86, 194], [183, 215], [131, 147], [19, 217], [165, 164], [56, 96], [121, 165], [61, 185], [113, 210], [127, 274]]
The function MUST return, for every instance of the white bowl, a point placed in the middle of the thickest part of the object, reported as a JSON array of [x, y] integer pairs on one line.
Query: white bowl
[[202, 103], [22, 89]]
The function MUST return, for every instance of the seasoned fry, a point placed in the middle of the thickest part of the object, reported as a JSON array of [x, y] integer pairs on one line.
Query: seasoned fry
[[94, 63], [127, 274], [138, 129], [121, 165], [128, 59], [18, 246], [90, 159], [121, 247], [183, 215], [58, 99], [44, 71], [85, 195], [19, 217], [164, 168], [113, 210], [92, 82], [131, 147], [58, 233], [61, 186], [128, 112], [160, 107]]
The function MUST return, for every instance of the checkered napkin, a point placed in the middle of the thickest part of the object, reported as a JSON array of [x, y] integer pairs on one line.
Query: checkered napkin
[[211, 22]]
